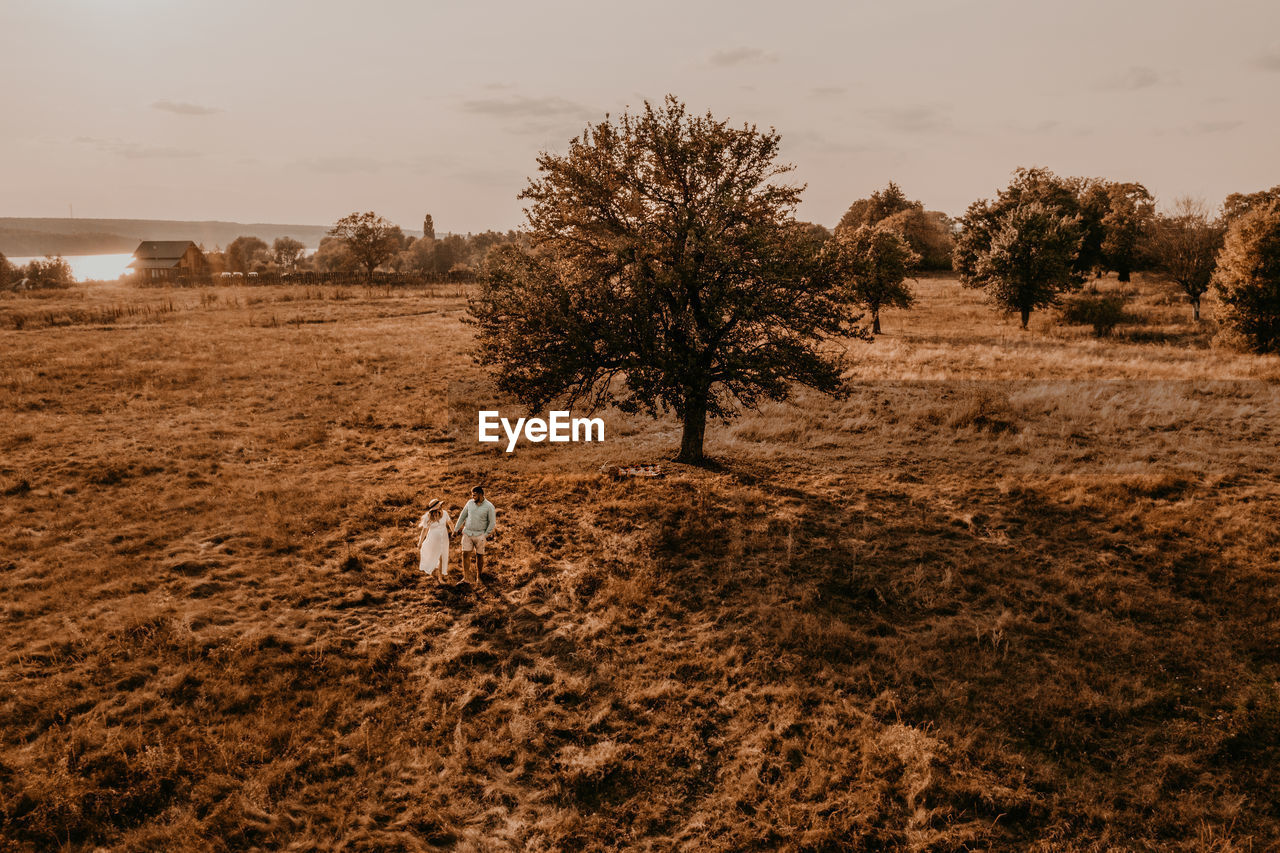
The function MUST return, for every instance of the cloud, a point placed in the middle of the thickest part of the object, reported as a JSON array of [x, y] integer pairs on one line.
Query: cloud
[[742, 56], [524, 106], [184, 108], [807, 140], [532, 116], [912, 119], [1269, 61], [1219, 126], [341, 165], [1137, 77], [136, 150], [828, 91]]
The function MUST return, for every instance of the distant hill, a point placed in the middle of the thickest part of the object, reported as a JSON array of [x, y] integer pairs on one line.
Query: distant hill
[[24, 236]]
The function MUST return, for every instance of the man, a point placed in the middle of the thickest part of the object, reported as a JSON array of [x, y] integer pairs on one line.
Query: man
[[476, 521]]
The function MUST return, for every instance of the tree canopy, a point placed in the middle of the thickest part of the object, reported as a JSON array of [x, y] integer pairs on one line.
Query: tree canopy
[[1248, 277], [1087, 201], [928, 232], [1024, 257], [1129, 211], [370, 239], [285, 251], [873, 261], [243, 252], [1183, 246], [666, 272], [1238, 204]]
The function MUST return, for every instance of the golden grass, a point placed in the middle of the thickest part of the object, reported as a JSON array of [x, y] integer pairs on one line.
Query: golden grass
[[1019, 591]]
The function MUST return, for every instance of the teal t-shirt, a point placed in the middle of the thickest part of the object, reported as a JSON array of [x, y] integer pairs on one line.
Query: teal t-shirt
[[476, 519]]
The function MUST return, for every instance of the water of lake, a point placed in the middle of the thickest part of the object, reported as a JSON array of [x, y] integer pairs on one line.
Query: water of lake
[[91, 267]]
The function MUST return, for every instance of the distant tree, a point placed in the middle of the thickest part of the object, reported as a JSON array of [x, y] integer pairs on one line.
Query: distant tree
[[874, 262], [7, 272], [371, 239], [428, 227], [1025, 260], [332, 256], [1184, 246], [820, 233], [1238, 204], [1092, 204], [928, 231], [878, 207], [1248, 277], [244, 253], [285, 251], [479, 245], [216, 259], [1128, 216], [448, 252], [667, 272], [418, 258]]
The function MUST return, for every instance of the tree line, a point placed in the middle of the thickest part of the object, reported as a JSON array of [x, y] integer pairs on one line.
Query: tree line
[[359, 245], [663, 268]]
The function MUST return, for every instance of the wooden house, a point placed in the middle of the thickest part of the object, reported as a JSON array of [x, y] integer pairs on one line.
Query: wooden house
[[168, 260]]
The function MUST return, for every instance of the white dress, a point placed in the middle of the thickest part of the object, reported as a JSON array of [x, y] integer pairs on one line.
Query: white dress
[[435, 547]]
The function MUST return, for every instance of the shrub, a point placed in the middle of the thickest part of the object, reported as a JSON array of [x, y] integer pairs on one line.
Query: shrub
[[48, 272], [1102, 311], [1248, 278]]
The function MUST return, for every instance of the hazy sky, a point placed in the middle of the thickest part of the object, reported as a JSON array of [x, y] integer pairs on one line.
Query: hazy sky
[[304, 111]]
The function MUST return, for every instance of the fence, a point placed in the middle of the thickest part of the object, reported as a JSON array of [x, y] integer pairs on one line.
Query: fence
[[380, 279]]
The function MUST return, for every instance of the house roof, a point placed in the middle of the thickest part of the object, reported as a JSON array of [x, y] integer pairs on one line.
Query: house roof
[[155, 263], [156, 249]]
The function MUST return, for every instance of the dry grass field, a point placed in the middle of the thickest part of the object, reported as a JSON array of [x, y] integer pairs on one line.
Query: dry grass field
[[1019, 591]]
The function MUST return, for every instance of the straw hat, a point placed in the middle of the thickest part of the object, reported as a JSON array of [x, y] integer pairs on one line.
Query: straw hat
[[435, 504]]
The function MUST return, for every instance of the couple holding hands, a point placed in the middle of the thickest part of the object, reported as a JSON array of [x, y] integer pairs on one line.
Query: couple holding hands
[[476, 521]]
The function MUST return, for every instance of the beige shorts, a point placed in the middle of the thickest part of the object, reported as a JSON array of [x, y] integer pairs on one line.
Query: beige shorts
[[473, 543]]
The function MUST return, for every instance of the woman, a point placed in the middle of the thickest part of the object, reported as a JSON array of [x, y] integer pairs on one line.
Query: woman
[[433, 540]]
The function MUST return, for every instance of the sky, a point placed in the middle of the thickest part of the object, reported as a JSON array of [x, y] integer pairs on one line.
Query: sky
[[302, 112]]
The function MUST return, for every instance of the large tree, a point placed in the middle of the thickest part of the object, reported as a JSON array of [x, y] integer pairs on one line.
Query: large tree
[[1061, 196], [1183, 245], [369, 238], [1248, 277], [874, 262], [1026, 261], [667, 272]]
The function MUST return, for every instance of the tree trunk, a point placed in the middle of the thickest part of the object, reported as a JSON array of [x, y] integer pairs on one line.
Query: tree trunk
[[1026, 316], [1123, 276], [695, 427], [875, 321], [1195, 309]]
